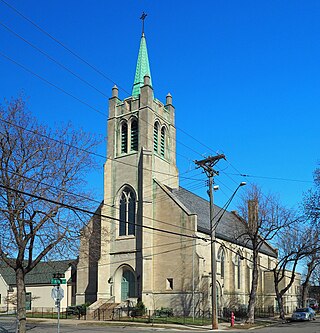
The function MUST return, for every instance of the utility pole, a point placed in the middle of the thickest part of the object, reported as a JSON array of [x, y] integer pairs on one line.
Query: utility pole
[[207, 165]]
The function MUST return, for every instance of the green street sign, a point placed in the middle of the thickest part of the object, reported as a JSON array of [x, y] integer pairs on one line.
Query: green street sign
[[55, 282]]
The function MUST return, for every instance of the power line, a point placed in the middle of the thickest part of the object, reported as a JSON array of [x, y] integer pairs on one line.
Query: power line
[[71, 207], [81, 101], [101, 215], [173, 250], [118, 262], [64, 67], [268, 177], [80, 58], [147, 123], [62, 90], [52, 84], [93, 200], [106, 77], [62, 44], [67, 69], [54, 60], [89, 152], [81, 149]]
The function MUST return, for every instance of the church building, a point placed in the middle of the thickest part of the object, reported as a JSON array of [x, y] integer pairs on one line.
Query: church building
[[150, 238]]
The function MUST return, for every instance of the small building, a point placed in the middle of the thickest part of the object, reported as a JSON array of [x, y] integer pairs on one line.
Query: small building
[[291, 298], [38, 285], [314, 294]]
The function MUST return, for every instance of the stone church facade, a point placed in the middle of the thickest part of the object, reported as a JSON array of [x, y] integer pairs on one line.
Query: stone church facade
[[150, 238]]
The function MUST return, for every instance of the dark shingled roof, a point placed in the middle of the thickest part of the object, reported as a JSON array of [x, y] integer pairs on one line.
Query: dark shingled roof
[[41, 274], [229, 227]]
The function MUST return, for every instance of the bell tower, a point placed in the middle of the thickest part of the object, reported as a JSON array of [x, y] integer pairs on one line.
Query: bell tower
[[141, 149]]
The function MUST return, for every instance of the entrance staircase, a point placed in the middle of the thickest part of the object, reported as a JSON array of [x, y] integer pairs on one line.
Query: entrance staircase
[[102, 309]]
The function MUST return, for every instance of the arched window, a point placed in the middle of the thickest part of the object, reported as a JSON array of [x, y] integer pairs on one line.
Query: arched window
[[134, 135], [221, 260], [163, 141], [124, 137], [155, 137], [127, 213], [238, 263]]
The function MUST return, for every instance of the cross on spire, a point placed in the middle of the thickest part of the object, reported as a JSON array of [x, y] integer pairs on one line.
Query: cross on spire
[[143, 17], [143, 67]]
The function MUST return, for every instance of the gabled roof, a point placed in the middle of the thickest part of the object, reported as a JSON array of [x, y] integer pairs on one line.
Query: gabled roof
[[142, 68], [41, 274], [229, 227]]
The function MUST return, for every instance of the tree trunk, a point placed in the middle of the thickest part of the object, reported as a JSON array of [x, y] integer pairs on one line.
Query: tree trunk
[[278, 296], [305, 289], [253, 292], [21, 300], [281, 307]]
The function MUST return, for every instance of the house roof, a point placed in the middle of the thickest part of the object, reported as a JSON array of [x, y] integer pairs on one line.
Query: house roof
[[230, 226], [41, 274]]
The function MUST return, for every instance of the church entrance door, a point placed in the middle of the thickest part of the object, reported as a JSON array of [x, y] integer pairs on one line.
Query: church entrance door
[[124, 289], [128, 285]]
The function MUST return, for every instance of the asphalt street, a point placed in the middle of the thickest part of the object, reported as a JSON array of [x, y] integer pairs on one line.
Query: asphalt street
[[7, 325], [294, 327]]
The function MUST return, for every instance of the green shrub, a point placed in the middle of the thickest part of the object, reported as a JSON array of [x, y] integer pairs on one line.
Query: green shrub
[[164, 312]]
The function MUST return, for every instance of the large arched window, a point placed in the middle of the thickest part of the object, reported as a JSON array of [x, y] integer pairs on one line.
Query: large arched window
[[163, 141], [124, 137], [155, 136], [127, 212], [249, 270], [221, 260], [238, 267], [134, 135]]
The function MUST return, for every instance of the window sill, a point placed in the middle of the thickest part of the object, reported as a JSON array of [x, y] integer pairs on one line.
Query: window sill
[[131, 152], [161, 157], [125, 237]]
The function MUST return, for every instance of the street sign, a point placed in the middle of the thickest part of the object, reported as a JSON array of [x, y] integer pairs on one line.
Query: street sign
[[57, 293], [56, 282]]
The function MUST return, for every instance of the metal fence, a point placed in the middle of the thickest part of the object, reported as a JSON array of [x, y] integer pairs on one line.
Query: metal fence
[[131, 314]]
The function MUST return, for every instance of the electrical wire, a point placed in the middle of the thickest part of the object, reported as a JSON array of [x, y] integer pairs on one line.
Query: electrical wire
[[93, 200], [62, 44], [53, 60], [52, 84], [268, 177], [106, 77], [71, 207]]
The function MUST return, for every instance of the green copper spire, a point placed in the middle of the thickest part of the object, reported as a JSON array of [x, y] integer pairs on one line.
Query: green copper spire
[[143, 67]]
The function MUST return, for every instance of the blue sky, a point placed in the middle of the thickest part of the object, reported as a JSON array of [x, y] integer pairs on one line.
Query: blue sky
[[244, 76]]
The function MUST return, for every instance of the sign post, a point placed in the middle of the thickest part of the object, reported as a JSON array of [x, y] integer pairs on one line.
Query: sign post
[[57, 293]]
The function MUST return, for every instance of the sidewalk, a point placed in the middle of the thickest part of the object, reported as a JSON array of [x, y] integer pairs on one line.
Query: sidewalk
[[222, 326], [76, 322]]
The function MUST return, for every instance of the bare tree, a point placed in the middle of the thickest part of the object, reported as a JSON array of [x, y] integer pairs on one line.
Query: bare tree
[[264, 216], [315, 277], [311, 207], [311, 201], [312, 263], [295, 244], [41, 185]]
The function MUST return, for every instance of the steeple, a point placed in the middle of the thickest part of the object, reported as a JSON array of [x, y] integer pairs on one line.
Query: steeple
[[143, 67]]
